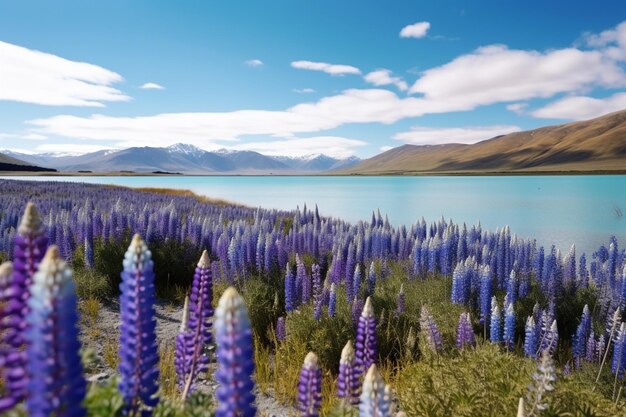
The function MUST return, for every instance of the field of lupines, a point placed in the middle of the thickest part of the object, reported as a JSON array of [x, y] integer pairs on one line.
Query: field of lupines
[[317, 312]]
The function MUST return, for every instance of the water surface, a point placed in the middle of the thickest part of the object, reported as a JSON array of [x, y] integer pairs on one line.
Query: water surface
[[559, 210]]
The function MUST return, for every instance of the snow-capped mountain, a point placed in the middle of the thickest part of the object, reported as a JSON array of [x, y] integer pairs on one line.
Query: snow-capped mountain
[[186, 159]]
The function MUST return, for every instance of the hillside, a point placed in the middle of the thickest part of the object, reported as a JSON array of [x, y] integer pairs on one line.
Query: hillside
[[592, 145], [8, 163]]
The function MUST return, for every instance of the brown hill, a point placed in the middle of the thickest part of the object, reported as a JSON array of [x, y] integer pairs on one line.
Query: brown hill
[[591, 145]]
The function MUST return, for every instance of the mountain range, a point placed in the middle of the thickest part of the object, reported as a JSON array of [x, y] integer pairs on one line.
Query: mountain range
[[185, 159], [591, 145]]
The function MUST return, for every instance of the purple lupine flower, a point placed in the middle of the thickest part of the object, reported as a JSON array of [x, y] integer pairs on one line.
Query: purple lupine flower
[[458, 284], [401, 302], [184, 349], [366, 344], [318, 299], [310, 387], [332, 300], [431, 333], [371, 279], [281, 329], [348, 379], [550, 338], [356, 310], [290, 289], [56, 386], [200, 314], [139, 357], [579, 344], [235, 357], [530, 338], [495, 331], [29, 247], [509, 327], [465, 332], [590, 348], [376, 396]]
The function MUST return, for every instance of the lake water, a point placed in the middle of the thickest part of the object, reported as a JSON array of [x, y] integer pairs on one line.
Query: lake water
[[560, 210]]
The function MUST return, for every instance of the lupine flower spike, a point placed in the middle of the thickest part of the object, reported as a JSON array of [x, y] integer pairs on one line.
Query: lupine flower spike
[[366, 345], [233, 336], [464, 333], [281, 329], [348, 379], [430, 331], [543, 383], [57, 386], [310, 387], [29, 247], [200, 313], [184, 348], [139, 357], [375, 401]]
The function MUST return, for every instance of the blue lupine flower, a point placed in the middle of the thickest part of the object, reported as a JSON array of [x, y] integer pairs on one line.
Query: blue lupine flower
[[56, 386], [530, 338], [485, 295], [495, 332], [290, 286], [366, 344], [356, 280], [375, 397], [310, 387], [235, 357], [332, 300], [139, 358], [509, 327], [618, 363], [464, 332]]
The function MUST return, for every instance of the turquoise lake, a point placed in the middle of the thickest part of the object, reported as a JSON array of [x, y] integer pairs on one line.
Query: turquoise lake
[[559, 210]]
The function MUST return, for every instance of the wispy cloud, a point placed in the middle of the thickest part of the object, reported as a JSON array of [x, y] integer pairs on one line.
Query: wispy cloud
[[383, 77], [23, 136], [303, 90], [335, 146], [30, 76], [152, 86], [70, 148], [581, 107], [416, 30], [332, 69], [255, 63], [419, 135]]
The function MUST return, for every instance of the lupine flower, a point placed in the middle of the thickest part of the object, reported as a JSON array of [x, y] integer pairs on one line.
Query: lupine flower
[[485, 295], [57, 386], [465, 332], [401, 302], [590, 348], [550, 338], [375, 398], [356, 281], [29, 247], [356, 310], [281, 330], [200, 314], [318, 302], [431, 333], [619, 352], [366, 345], [348, 379], [290, 289], [310, 387], [371, 279], [495, 332], [579, 344], [184, 348], [233, 336], [332, 300], [139, 358], [509, 327], [530, 338], [543, 383]]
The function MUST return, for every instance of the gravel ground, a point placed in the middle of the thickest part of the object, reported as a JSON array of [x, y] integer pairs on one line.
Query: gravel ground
[[98, 335]]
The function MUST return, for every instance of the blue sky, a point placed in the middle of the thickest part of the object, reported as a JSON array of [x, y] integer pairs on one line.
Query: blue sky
[[299, 77]]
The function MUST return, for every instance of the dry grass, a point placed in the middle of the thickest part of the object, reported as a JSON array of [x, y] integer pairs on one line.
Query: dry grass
[[90, 310], [167, 371], [110, 353]]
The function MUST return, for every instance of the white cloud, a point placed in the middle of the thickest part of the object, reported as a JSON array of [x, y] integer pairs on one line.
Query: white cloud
[[23, 136], [416, 30], [152, 86], [254, 63], [332, 69], [495, 73], [303, 90], [383, 77], [581, 107], [612, 41], [334, 146], [30, 76], [351, 106], [439, 135], [517, 107]]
